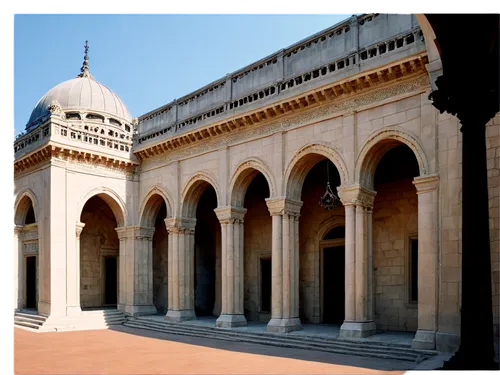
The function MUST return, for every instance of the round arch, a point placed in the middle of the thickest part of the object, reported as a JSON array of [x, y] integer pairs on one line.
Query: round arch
[[151, 205], [375, 148], [193, 190], [21, 206], [111, 198], [243, 176], [304, 160], [327, 225]]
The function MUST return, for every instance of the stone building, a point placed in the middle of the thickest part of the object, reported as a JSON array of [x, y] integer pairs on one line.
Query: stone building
[[210, 204]]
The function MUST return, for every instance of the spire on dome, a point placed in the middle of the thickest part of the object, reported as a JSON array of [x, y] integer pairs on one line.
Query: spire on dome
[[85, 72]]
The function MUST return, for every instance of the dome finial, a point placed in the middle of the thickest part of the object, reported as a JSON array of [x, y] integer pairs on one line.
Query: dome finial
[[85, 72]]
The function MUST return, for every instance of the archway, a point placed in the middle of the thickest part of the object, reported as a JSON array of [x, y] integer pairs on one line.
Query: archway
[[153, 215], [306, 180], [395, 238], [26, 249], [199, 199], [99, 252]]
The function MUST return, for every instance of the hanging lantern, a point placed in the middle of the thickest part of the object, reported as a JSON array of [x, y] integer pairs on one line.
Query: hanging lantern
[[329, 199]]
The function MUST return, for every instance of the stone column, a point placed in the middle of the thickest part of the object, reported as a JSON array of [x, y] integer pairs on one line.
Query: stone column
[[277, 266], [136, 271], [18, 268], [74, 307], [427, 190], [289, 210], [231, 220], [124, 235], [180, 269], [358, 201]]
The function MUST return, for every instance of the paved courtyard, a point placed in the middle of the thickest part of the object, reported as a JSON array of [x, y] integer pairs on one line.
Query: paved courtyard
[[124, 350]]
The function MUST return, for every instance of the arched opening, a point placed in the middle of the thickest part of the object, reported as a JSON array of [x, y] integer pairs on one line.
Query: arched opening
[[207, 253], [316, 171], [27, 254], [160, 257], [395, 240], [257, 250], [99, 252]]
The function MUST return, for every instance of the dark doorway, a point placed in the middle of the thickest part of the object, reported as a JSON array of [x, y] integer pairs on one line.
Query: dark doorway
[[31, 282], [333, 285], [265, 285], [110, 274]]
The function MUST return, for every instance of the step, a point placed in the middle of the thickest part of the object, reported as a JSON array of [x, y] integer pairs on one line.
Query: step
[[305, 346], [28, 320], [277, 340], [31, 316], [27, 324], [296, 338]]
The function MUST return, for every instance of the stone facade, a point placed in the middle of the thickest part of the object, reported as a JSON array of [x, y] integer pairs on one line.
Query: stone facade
[[192, 228]]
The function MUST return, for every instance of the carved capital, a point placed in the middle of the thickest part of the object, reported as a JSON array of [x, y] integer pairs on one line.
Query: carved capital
[[425, 184], [284, 206], [144, 233], [180, 225], [79, 228], [124, 232], [356, 195], [230, 215], [18, 230]]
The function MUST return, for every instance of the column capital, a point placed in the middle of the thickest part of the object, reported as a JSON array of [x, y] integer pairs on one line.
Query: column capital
[[356, 195], [425, 184], [79, 228], [136, 232], [283, 206], [124, 232], [143, 233], [18, 229], [230, 214], [180, 225]]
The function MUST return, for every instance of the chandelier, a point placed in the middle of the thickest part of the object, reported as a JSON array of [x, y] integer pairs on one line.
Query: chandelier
[[329, 199]]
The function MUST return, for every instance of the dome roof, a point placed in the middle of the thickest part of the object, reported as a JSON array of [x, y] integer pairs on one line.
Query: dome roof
[[82, 93]]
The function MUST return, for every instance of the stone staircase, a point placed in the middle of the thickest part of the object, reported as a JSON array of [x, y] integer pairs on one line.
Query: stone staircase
[[364, 348], [29, 319], [91, 319]]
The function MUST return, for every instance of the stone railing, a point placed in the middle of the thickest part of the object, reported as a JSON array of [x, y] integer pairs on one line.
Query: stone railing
[[96, 136], [337, 51]]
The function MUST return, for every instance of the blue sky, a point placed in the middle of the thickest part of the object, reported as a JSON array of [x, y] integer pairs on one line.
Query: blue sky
[[148, 60]]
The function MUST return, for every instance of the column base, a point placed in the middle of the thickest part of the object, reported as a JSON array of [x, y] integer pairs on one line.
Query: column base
[[273, 325], [230, 321], [137, 310], [73, 310], [285, 325], [180, 315], [357, 329], [424, 340]]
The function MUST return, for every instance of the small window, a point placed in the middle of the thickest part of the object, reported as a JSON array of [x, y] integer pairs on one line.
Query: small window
[[413, 270]]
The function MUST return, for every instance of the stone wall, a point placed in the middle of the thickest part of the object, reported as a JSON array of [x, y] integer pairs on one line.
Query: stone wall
[[98, 237], [395, 219]]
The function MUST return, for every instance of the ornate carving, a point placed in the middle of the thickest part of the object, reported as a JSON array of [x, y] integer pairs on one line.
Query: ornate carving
[[79, 229], [316, 114], [55, 108], [230, 215], [284, 206], [356, 195]]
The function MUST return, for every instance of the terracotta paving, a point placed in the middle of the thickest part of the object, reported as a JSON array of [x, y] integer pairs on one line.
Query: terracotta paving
[[129, 351]]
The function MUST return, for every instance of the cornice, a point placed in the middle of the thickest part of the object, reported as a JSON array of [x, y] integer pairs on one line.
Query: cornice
[[343, 95]]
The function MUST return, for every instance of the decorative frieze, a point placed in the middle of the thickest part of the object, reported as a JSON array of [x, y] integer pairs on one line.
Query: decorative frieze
[[30, 247]]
